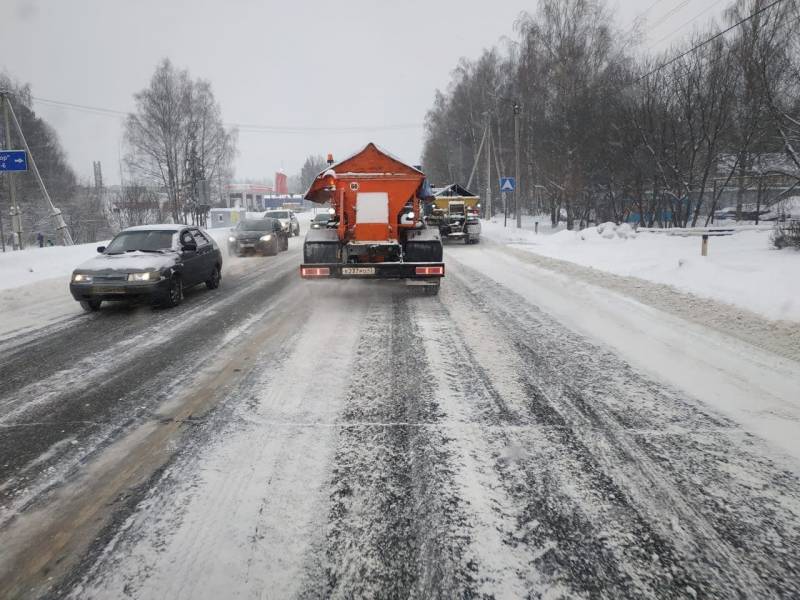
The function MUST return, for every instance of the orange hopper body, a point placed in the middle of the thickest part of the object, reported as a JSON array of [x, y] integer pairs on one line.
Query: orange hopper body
[[369, 191]]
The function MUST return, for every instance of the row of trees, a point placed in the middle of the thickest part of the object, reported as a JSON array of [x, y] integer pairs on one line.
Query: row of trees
[[605, 132]]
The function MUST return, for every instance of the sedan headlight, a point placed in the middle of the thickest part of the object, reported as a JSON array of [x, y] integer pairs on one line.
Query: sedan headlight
[[146, 276], [231, 239], [81, 278], [265, 238]]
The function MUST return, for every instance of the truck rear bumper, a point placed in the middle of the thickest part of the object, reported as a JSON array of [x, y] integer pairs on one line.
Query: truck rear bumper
[[389, 270]]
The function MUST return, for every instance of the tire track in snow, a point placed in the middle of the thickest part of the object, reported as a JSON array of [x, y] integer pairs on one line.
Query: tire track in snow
[[236, 513], [87, 405], [599, 404], [556, 550], [396, 525]]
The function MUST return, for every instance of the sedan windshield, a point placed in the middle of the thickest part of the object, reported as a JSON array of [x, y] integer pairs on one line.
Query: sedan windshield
[[146, 241], [278, 214], [255, 225]]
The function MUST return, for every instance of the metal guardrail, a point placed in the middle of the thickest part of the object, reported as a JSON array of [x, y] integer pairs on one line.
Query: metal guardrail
[[692, 231], [701, 232]]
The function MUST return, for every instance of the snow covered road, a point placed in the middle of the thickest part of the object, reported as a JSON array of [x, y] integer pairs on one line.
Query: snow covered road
[[524, 434]]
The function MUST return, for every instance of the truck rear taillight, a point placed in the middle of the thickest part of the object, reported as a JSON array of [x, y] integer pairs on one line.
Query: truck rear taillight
[[315, 272], [430, 271]]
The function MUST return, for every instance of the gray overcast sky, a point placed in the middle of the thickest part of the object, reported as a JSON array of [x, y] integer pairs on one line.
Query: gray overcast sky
[[306, 63]]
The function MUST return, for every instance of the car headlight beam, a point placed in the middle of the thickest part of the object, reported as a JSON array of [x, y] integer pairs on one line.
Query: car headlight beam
[[81, 278], [266, 238], [146, 276]]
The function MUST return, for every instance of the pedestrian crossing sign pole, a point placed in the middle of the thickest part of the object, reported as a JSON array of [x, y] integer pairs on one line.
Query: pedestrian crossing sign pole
[[507, 184]]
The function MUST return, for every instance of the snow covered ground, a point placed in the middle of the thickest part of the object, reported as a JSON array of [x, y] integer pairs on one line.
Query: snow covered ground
[[539, 429], [743, 269]]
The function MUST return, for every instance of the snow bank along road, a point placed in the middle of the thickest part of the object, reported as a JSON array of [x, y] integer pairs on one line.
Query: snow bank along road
[[524, 434]]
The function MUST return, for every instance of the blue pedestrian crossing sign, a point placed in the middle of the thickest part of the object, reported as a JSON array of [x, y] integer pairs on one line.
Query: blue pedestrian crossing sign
[[507, 184]]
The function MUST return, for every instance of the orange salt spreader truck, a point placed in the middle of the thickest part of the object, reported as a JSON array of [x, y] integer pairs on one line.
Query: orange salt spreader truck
[[375, 229]]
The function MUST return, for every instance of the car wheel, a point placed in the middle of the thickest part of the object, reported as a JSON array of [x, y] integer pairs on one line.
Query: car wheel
[[212, 283], [174, 293], [92, 305]]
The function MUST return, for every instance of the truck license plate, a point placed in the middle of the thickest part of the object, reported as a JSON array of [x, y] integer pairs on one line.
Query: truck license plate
[[358, 270]]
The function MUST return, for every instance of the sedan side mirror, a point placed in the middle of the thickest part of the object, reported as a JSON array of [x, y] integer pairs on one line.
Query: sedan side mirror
[[189, 247], [101, 249]]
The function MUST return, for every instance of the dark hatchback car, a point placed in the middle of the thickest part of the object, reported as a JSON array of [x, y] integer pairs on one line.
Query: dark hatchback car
[[152, 263], [261, 236], [321, 220]]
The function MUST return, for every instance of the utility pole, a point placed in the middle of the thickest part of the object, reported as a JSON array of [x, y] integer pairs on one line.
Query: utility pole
[[61, 226], [498, 170], [16, 217], [487, 209], [477, 157], [517, 186]]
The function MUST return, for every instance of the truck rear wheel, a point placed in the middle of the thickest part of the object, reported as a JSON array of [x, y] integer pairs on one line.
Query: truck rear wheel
[[431, 290], [427, 251]]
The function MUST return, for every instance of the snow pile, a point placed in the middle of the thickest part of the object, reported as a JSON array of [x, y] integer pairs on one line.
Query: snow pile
[[610, 231], [36, 264], [743, 269]]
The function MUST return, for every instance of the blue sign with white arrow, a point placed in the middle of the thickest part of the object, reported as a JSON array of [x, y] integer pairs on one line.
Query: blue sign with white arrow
[[507, 184], [13, 160]]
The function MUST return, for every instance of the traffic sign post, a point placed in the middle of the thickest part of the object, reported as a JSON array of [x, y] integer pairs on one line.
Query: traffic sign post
[[508, 184], [16, 220], [13, 160], [55, 213]]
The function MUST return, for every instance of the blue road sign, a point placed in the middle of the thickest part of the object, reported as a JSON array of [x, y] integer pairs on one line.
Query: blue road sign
[[13, 160], [507, 184]]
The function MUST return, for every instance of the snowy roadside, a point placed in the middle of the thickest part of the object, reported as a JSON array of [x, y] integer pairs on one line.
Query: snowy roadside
[[742, 270], [750, 373]]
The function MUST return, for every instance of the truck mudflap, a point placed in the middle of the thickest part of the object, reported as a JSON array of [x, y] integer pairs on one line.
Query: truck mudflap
[[388, 270]]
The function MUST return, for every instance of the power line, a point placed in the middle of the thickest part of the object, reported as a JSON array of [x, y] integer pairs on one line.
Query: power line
[[303, 129], [82, 107], [246, 127], [639, 15], [689, 22], [673, 10], [648, 9], [707, 41]]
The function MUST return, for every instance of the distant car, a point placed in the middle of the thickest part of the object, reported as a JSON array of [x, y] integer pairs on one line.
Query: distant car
[[320, 220], [287, 218], [153, 263], [259, 236]]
